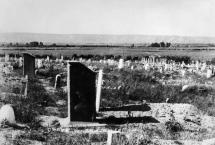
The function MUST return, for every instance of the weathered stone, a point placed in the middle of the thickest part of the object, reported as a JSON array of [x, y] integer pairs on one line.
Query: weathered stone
[[7, 113], [57, 81], [121, 64], [98, 90]]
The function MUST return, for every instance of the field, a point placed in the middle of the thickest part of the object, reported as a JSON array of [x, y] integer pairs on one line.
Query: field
[[140, 105], [196, 53]]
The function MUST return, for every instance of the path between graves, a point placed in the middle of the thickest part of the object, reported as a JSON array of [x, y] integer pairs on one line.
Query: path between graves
[[61, 104]]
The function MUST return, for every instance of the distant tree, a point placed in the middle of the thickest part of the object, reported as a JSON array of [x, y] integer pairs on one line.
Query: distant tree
[[34, 44], [168, 44], [162, 44], [10, 44], [54, 44], [155, 44], [17, 44], [41, 44]]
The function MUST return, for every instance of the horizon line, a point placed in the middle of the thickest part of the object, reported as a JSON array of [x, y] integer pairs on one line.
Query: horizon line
[[173, 35]]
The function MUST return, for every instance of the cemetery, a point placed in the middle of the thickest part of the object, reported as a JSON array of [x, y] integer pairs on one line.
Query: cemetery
[[79, 100]]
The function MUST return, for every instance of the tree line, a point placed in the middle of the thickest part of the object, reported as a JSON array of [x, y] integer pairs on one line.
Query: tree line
[[41, 44], [161, 44]]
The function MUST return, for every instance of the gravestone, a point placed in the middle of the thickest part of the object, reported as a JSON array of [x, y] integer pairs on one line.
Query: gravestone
[[81, 85], [26, 86], [29, 65], [161, 69], [153, 59], [209, 73], [57, 81], [7, 57], [61, 58], [132, 67], [197, 65], [7, 113], [98, 89], [183, 72], [146, 66], [47, 59], [121, 63], [39, 63], [20, 62], [166, 67]]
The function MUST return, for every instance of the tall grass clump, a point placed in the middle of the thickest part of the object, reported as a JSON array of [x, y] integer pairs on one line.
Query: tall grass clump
[[123, 86]]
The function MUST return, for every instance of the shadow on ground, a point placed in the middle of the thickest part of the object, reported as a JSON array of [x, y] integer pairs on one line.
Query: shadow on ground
[[142, 107], [114, 120]]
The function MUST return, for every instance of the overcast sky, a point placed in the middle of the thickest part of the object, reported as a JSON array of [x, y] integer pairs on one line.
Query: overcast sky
[[154, 17]]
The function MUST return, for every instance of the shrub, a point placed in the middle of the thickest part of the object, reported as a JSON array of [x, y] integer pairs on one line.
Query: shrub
[[173, 126]]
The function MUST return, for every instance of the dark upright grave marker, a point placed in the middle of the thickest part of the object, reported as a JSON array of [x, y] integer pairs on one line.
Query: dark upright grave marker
[[29, 65], [81, 83]]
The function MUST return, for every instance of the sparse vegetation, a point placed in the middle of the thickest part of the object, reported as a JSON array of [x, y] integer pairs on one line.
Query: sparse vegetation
[[121, 87]]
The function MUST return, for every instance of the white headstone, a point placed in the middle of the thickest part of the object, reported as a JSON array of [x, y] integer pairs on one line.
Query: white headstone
[[61, 58], [7, 113], [110, 136], [26, 86], [165, 67], [161, 69], [57, 80], [146, 66], [209, 73], [197, 65], [121, 64], [39, 63], [47, 58], [128, 63], [183, 72], [20, 62], [98, 90], [182, 64], [185, 87], [203, 67], [7, 57], [153, 59], [132, 67]]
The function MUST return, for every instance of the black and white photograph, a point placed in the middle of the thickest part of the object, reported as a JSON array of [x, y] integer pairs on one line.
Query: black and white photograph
[[107, 72]]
